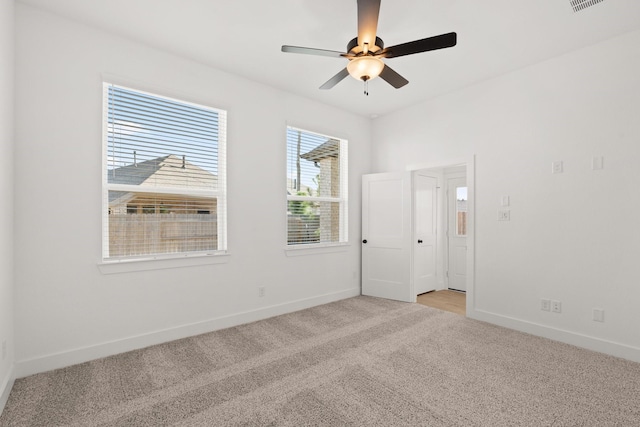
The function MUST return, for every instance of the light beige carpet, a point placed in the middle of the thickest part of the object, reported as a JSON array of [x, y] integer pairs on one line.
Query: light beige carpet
[[357, 362]]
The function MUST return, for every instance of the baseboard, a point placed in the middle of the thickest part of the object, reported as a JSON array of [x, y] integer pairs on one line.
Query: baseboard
[[36, 365], [5, 388], [579, 340]]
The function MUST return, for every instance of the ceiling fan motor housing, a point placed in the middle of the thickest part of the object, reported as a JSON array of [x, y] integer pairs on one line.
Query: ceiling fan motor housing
[[354, 48]]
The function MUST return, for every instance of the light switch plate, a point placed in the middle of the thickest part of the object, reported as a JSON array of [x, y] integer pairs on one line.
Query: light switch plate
[[597, 163]]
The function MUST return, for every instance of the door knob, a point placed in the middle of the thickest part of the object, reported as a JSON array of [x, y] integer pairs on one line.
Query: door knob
[[364, 241], [419, 240]]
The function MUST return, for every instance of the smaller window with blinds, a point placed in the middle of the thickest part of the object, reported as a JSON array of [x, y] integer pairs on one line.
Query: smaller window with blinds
[[316, 189], [164, 191]]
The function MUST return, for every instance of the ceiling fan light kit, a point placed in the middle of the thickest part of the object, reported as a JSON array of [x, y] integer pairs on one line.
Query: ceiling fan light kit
[[365, 67], [365, 52]]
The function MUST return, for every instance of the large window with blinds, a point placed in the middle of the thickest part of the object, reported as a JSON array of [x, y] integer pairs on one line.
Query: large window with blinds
[[164, 189], [316, 188]]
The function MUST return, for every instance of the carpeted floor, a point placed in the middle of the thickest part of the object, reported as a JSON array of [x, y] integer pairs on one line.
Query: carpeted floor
[[360, 362]]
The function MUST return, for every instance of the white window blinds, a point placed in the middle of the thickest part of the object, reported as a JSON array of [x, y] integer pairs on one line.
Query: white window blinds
[[164, 175], [316, 188]]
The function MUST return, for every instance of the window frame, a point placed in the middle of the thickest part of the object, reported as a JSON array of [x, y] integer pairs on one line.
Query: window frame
[[342, 200], [219, 194]]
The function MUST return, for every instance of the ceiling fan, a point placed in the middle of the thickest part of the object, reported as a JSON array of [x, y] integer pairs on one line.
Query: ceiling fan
[[365, 52]]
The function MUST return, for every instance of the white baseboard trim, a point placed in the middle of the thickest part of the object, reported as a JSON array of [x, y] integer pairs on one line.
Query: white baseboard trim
[[5, 388], [579, 340], [49, 362]]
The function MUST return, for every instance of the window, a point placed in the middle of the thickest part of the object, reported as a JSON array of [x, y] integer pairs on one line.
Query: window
[[164, 188], [461, 211], [316, 188]]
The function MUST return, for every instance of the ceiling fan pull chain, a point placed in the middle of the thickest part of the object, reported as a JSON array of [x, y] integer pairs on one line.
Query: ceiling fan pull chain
[[366, 87]]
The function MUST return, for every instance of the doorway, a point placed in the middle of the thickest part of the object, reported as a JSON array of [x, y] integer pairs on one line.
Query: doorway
[[405, 251], [441, 204]]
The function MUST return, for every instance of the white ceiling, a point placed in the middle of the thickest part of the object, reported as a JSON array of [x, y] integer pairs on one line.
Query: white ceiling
[[244, 37]]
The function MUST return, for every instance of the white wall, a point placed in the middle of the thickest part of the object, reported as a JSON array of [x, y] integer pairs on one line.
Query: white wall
[[572, 237], [6, 195], [67, 311]]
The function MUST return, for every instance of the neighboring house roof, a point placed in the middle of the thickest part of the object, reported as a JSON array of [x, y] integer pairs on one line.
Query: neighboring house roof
[[331, 148], [291, 191], [167, 171], [119, 197]]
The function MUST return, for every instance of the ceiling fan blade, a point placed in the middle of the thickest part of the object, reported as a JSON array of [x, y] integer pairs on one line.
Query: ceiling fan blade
[[368, 11], [393, 78], [431, 43], [312, 51], [335, 79]]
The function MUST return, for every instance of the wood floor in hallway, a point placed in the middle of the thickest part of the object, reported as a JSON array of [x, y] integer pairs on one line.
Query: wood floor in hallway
[[453, 301]]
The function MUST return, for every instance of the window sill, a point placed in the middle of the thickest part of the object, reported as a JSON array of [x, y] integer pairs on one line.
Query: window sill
[[300, 250], [160, 263]]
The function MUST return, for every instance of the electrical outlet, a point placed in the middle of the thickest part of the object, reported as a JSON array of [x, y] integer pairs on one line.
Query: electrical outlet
[[504, 215], [598, 315], [556, 306], [556, 167], [262, 291], [545, 304], [4, 350]]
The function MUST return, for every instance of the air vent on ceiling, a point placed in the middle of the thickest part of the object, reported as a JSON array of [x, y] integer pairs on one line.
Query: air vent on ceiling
[[579, 5]]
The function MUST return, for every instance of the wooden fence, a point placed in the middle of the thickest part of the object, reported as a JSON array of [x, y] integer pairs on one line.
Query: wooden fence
[[302, 229], [146, 234]]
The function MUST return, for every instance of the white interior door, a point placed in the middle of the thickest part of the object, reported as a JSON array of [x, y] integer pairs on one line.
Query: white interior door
[[457, 233], [425, 232], [387, 236]]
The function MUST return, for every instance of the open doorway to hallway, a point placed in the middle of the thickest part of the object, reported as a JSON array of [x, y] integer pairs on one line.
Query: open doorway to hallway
[[405, 247], [440, 237]]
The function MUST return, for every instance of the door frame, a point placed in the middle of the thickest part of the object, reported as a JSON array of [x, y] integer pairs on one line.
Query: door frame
[[469, 162]]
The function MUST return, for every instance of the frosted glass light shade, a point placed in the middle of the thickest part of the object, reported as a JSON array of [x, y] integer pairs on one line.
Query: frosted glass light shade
[[365, 67]]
